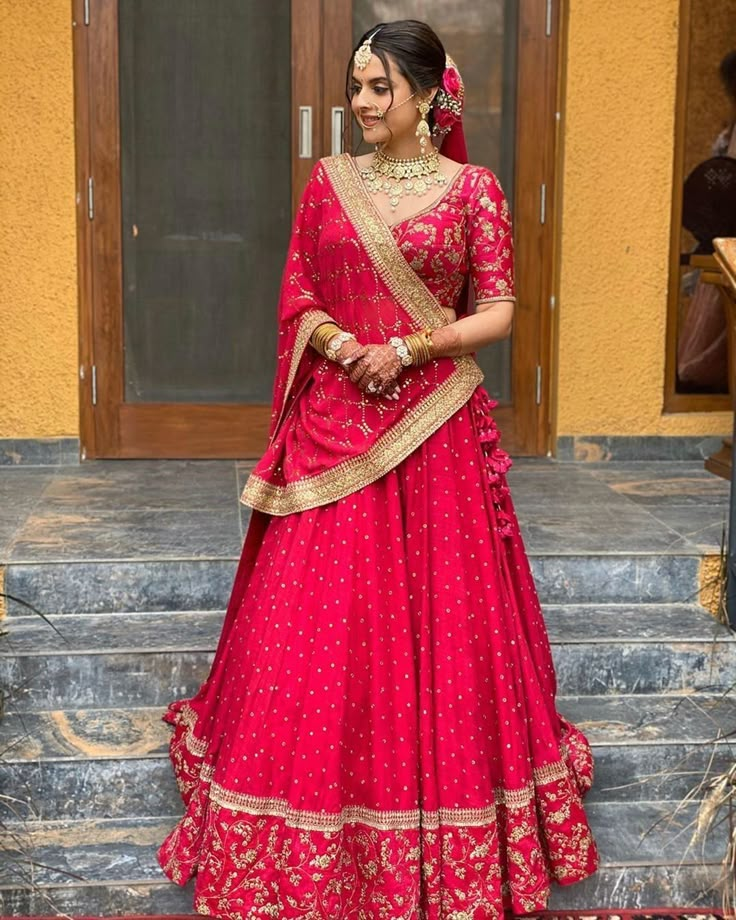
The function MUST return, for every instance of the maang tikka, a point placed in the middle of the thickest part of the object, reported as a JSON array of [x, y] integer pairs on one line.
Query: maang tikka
[[363, 55]]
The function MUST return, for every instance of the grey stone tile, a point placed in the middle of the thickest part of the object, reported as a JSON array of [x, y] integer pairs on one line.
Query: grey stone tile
[[602, 448], [200, 630], [655, 720], [128, 678], [615, 578], [83, 790], [625, 722], [616, 623], [621, 887], [20, 492], [644, 886], [38, 451], [666, 667], [53, 534], [79, 899], [600, 528], [244, 469], [661, 487], [83, 735], [129, 786], [171, 485], [21, 487], [705, 526], [106, 632], [91, 587], [122, 679]]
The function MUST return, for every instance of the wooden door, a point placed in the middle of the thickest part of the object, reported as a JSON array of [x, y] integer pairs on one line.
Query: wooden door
[[507, 52], [197, 127]]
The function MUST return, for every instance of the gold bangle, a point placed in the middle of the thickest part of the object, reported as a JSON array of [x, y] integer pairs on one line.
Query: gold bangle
[[321, 336], [420, 345]]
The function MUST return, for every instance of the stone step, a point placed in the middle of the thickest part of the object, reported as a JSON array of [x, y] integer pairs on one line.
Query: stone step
[[86, 764], [148, 659], [173, 630], [128, 585], [641, 834], [617, 887]]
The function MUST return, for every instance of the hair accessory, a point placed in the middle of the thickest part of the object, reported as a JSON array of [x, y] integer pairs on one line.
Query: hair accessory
[[363, 54], [449, 99]]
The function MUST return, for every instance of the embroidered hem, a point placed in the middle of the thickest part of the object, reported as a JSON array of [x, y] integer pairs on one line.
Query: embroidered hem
[[259, 857]]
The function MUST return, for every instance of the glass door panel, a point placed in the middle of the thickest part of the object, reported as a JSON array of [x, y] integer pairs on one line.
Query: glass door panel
[[482, 39], [205, 112]]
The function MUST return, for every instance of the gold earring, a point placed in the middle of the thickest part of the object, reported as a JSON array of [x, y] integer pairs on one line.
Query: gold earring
[[423, 126]]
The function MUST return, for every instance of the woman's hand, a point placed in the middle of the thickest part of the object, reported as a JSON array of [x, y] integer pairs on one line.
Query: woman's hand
[[375, 369]]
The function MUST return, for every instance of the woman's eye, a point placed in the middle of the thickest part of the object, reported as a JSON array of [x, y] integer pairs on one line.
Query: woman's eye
[[380, 90]]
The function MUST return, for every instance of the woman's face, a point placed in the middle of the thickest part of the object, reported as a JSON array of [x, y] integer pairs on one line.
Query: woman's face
[[381, 119]]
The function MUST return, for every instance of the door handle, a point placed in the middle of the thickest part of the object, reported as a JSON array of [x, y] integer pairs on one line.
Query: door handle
[[338, 129], [305, 132]]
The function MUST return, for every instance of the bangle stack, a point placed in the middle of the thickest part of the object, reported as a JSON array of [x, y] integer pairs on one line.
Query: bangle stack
[[420, 346], [328, 338]]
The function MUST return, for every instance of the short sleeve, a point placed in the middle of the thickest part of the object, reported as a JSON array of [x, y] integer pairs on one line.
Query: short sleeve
[[490, 240]]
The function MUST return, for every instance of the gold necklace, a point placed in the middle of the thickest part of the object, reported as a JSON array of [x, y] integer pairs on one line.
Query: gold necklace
[[396, 177]]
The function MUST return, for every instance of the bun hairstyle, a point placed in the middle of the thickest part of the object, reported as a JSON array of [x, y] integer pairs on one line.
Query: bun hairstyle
[[416, 50]]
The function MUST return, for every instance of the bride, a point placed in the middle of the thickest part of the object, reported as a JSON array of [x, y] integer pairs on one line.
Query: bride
[[377, 736]]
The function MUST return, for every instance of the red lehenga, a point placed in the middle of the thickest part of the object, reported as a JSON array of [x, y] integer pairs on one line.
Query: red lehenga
[[377, 737]]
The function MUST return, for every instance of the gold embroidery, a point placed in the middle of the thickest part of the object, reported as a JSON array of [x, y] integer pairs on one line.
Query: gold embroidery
[[415, 426], [404, 283], [389, 450], [409, 819]]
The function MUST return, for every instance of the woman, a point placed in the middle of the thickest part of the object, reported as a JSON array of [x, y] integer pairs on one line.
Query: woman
[[378, 735]]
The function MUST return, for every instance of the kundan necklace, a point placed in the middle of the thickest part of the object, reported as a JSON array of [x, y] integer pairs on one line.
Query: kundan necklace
[[396, 178]]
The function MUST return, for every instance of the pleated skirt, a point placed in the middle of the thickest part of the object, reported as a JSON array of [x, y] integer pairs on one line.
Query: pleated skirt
[[377, 736]]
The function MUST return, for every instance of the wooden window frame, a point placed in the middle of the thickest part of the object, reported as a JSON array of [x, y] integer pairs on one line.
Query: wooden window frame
[[673, 401]]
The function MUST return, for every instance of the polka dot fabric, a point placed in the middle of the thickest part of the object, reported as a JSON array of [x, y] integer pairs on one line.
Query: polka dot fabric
[[377, 736]]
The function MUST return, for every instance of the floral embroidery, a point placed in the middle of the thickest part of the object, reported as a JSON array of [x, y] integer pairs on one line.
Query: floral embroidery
[[257, 864]]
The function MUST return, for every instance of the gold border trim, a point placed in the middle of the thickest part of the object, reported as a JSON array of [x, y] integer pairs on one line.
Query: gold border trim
[[425, 418], [408, 819], [375, 235], [307, 324], [388, 451]]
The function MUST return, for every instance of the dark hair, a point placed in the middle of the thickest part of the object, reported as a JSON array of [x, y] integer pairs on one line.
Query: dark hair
[[414, 46], [727, 70]]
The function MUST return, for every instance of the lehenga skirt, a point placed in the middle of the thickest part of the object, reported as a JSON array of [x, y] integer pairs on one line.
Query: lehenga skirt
[[377, 736]]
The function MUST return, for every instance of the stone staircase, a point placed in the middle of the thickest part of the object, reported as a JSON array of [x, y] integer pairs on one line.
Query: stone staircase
[[641, 667]]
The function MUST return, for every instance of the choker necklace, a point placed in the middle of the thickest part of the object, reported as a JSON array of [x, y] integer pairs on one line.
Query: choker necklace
[[396, 178]]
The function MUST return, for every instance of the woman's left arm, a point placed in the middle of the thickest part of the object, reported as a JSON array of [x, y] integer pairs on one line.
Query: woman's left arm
[[491, 321]]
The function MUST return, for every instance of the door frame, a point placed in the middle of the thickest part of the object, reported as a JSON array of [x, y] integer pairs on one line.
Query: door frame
[[113, 429]]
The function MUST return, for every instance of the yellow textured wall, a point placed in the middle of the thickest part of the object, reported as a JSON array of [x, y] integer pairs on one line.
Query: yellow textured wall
[[617, 186], [38, 287], [617, 174]]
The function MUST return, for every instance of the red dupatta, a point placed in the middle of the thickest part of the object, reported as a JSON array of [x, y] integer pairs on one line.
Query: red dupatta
[[327, 438]]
